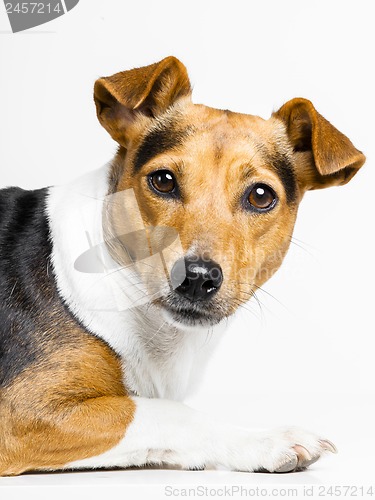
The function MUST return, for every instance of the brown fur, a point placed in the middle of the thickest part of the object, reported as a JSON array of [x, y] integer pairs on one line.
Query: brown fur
[[334, 158], [70, 406]]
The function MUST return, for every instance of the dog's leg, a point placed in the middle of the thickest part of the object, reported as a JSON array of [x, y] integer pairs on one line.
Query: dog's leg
[[169, 432], [120, 431], [48, 441], [71, 410]]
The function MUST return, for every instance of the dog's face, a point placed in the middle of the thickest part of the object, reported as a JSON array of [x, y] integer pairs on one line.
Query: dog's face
[[227, 184]]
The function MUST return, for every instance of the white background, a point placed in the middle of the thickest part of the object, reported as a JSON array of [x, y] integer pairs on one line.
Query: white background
[[308, 357]]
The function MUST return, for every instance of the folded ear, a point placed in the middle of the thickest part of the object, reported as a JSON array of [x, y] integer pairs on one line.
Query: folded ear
[[149, 91], [326, 157]]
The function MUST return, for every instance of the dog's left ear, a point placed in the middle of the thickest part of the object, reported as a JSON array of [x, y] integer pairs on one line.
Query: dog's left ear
[[324, 156], [147, 91]]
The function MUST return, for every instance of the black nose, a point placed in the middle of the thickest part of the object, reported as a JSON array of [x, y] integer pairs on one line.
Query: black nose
[[202, 278]]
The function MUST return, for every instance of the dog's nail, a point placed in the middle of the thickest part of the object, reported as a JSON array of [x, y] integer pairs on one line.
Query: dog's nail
[[328, 445], [302, 452], [288, 466]]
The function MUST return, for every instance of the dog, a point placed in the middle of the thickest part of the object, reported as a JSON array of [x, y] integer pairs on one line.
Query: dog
[[109, 284]]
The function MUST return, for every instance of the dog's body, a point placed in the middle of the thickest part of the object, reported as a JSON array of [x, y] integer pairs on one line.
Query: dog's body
[[93, 364]]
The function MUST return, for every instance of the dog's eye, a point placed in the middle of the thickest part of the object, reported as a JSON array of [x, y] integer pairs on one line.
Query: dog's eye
[[262, 197], [163, 181]]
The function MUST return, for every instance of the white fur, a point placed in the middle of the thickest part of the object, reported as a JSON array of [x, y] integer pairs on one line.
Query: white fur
[[172, 433]]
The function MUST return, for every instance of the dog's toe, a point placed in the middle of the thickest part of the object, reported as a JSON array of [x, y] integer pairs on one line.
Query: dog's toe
[[289, 466], [293, 449], [303, 464]]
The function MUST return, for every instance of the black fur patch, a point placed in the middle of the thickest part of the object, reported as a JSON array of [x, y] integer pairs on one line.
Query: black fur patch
[[24, 249], [34, 321], [24, 265], [285, 171], [161, 139]]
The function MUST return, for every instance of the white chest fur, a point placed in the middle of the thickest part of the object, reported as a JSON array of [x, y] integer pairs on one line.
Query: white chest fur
[[159, 360]]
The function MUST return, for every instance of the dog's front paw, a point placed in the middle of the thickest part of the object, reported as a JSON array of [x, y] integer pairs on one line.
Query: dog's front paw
[[290, 449]]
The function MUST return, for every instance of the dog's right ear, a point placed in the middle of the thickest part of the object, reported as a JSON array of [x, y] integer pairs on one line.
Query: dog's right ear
[[326, 156], [149, 91]]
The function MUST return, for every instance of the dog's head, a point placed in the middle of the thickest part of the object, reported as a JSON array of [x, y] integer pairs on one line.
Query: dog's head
[[228, 184]]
